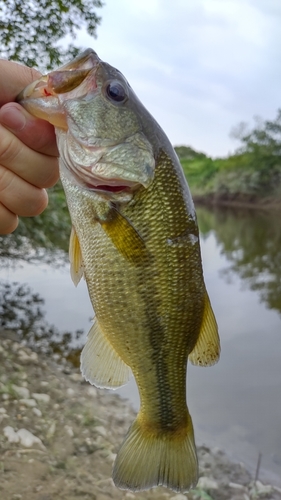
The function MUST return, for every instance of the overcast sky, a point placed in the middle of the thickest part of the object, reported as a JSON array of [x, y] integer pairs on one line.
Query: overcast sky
[[199, 66]]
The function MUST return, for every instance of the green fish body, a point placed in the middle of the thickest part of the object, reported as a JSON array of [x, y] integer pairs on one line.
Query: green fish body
[[135, 239]]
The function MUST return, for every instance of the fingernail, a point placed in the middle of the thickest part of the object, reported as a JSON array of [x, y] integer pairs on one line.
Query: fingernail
[[12, 118]]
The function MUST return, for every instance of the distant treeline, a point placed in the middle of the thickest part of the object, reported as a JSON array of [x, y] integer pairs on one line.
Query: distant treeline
[[250, 176]]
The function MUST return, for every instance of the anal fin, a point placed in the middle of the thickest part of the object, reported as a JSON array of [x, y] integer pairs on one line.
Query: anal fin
[[100, 363], [207, 349]]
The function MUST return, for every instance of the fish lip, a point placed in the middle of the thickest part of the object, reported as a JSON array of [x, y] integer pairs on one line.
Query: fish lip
[[94, 183], [54, 83], [82, 60], [86, 174], [44, 98], [108, 189], [102, 191], [30, 91], [88, 181]]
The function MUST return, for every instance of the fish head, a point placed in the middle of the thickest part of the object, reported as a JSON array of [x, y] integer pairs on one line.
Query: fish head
[[101, 136]]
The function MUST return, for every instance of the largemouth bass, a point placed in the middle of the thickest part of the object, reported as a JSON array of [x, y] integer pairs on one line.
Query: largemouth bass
[[135, 239]]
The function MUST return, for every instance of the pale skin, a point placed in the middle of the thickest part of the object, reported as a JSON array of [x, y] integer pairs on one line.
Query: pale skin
[[28, 151]]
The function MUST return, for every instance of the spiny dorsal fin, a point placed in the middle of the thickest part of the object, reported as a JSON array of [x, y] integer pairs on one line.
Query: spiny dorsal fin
[[124, 236], [100, 363], [207, 349], [75, 257]]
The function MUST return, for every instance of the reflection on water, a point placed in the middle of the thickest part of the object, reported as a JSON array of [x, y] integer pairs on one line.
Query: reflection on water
[[21, 312], [241, 396], [251, 242], [236, 405]]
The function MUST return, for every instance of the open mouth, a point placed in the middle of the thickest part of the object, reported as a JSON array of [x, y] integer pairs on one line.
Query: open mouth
[[44, 97], [47, 98], [89, 181], [63, 80]]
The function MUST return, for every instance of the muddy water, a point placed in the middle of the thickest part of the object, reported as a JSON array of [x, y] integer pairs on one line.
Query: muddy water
[[235, 405]]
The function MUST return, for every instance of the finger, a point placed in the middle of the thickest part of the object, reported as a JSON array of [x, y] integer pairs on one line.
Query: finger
[[8, 220], [37, 134], [36, 168], [16, 78], [20, 197]]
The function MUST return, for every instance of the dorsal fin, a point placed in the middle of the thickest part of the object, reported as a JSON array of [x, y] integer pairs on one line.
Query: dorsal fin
[[207, 349]]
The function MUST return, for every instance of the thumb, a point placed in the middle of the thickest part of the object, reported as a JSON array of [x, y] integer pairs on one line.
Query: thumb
[[14, 77]]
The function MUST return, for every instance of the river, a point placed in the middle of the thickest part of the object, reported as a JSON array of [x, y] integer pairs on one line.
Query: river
[[235, 405]]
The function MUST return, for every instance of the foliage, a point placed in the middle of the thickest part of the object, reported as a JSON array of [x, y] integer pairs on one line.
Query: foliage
[[201, 494], [250, 241], [187, 153], [252, 173], [30, 30], [199, 171], [43, 237], [264, 141]]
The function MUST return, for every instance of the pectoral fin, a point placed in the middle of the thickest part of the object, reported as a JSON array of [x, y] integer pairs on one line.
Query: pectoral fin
[[124, 236], [75, 257], [207, 349], [100, 363]]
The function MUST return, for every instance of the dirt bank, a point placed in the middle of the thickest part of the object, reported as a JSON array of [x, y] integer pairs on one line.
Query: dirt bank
[[59, 437], [237, 200]]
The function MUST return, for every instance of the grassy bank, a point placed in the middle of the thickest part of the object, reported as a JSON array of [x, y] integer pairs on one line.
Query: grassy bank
[[251, 176], [236, 180]]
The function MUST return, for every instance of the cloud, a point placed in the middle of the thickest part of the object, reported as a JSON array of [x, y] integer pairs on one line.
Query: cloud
[[199, 67]]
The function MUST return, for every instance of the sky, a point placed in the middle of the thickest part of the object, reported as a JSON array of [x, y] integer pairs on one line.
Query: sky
[[199, 66]]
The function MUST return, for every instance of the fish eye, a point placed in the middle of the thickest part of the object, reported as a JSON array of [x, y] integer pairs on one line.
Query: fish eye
[[116, 91]]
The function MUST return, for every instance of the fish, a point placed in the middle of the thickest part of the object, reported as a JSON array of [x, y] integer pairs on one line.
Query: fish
[[135, 239]]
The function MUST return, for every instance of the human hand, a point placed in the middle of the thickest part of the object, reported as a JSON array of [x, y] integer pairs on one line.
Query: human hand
[[28, 151]]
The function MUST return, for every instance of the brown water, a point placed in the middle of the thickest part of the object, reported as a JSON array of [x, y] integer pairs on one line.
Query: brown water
[[235, 405]]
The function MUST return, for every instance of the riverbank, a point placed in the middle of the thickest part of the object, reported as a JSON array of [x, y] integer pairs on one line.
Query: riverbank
[[237, 201], [59, 437]]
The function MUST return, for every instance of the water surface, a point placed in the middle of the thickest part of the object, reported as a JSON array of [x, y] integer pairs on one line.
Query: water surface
[[235, 405]]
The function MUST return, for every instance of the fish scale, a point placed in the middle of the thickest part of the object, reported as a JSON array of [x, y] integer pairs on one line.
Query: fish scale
[[135, 239], [115, 285]]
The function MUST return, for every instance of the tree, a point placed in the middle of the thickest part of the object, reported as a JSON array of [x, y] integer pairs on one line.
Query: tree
[[260, 155], [30, 30], [263, 141], [188, 153]]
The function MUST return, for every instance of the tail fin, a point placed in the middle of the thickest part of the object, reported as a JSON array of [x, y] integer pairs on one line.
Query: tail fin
[[147, 459]]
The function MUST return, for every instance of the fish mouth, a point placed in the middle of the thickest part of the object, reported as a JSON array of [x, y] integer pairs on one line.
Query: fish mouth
[[107, 188], [87, 179], [45, 97]]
